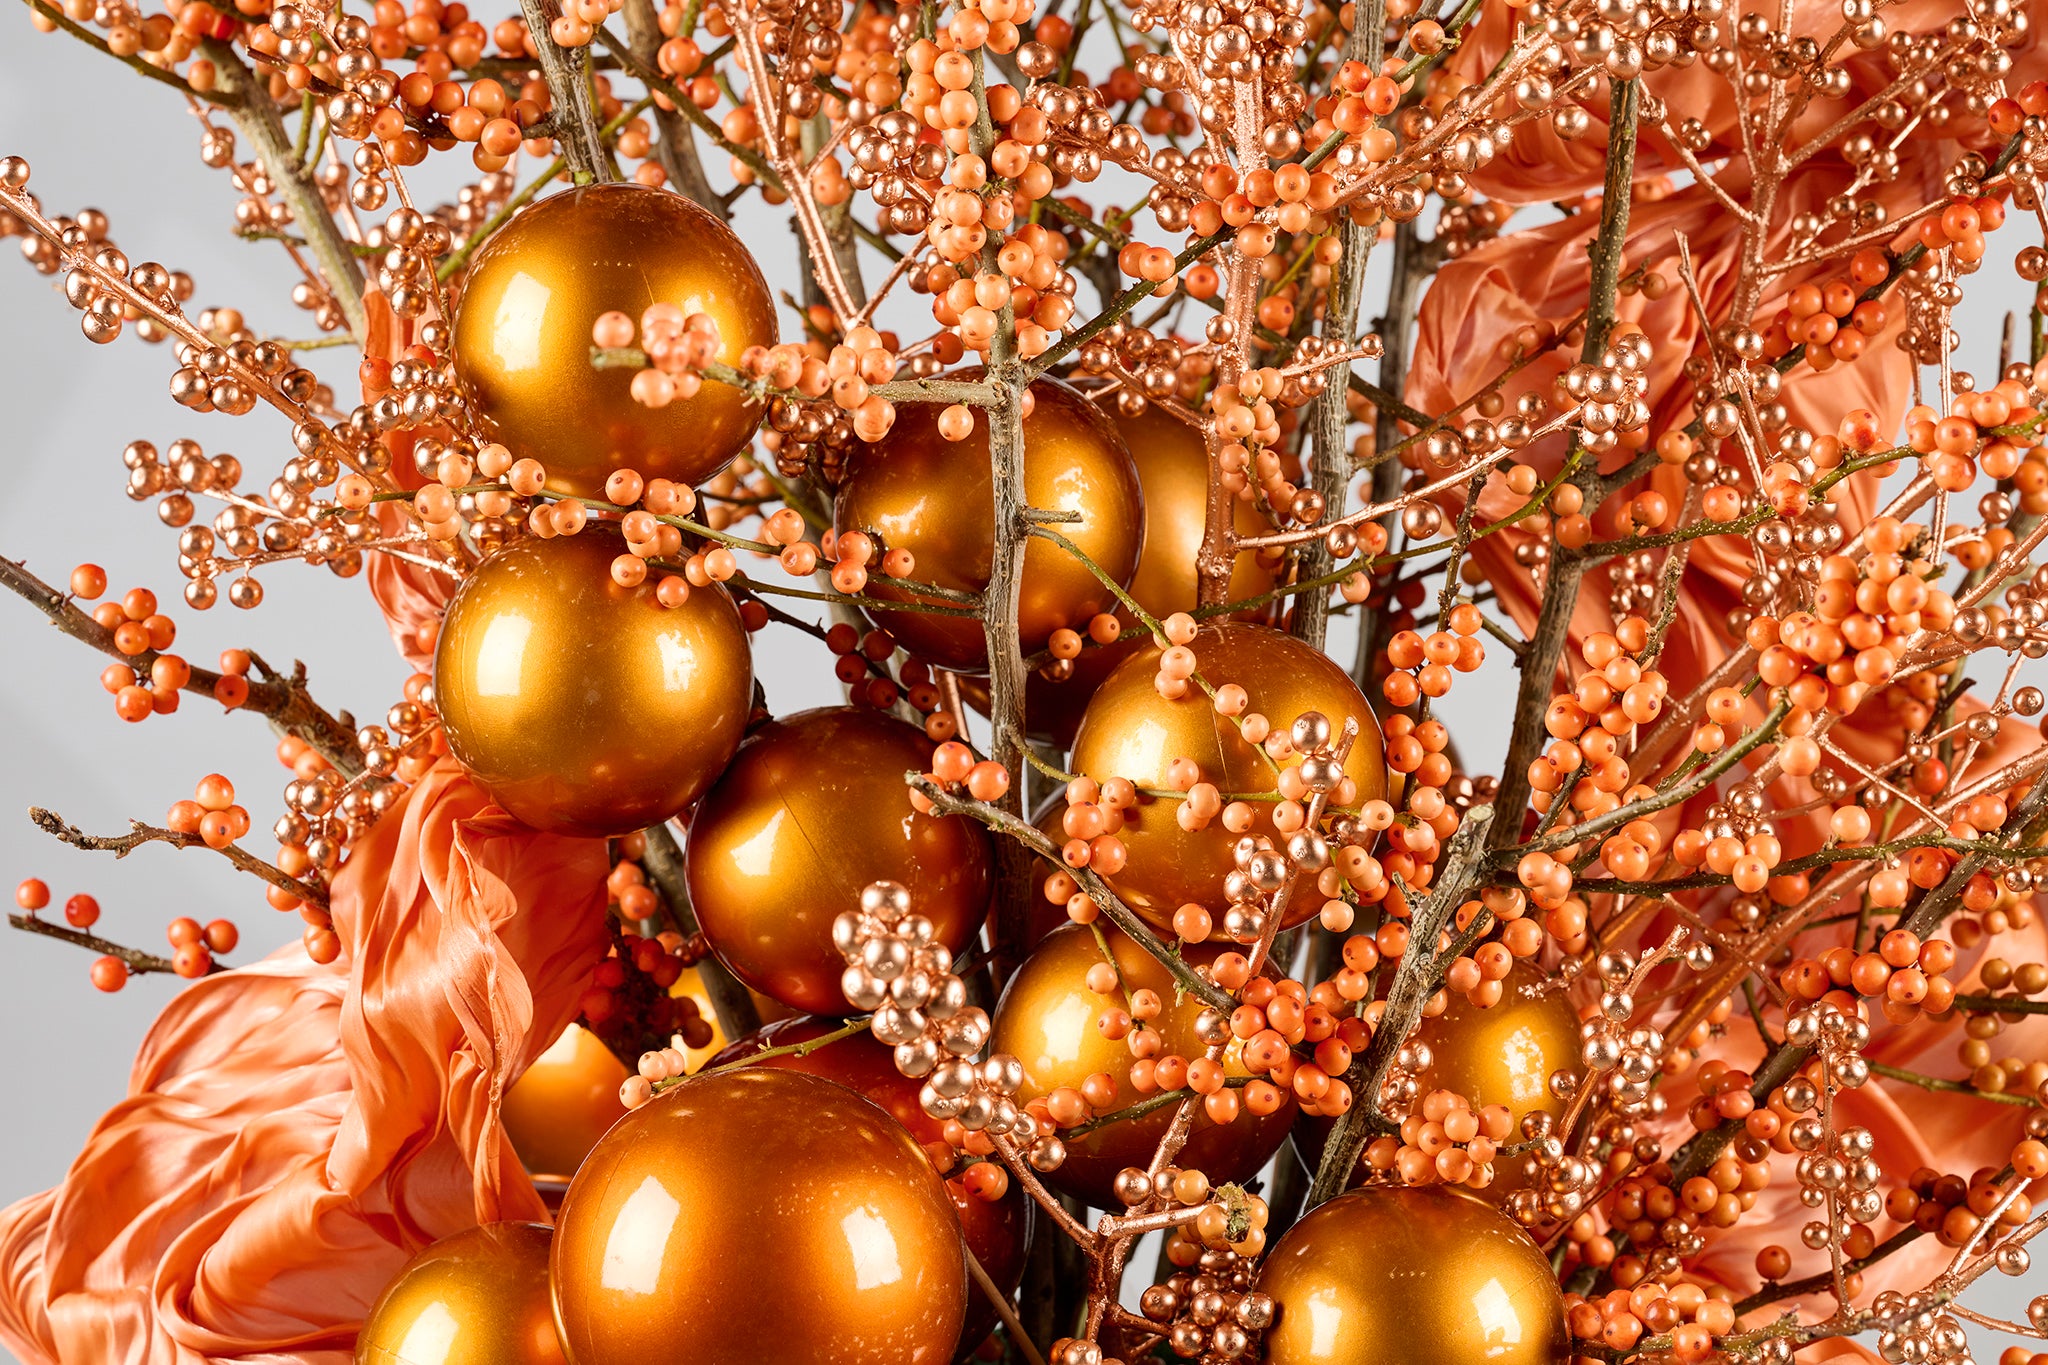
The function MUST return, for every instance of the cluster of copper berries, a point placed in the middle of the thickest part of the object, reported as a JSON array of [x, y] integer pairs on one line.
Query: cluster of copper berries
[[1208, 1309], [954, 767], [149, 686], [1444, 1141], [897, 969], [1902, 973], [328, 808], [1693, 1316]]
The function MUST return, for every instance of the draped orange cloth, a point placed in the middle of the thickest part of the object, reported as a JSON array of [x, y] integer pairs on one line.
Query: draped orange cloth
[[294, 1133], [411, 595], [1537, 277]]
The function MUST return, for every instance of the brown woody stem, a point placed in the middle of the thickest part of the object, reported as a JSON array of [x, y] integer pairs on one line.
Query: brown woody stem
[[121, 845]]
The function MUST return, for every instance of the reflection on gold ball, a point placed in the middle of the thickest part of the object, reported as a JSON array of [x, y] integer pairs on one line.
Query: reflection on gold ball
[[756, 1216], [477, 1298], [1411, 1275], [935, 498], [565, 1102], [1173, 469], [1046, 1019], [1173, 472], [995, 1230], [1504, 1054], [1501, 1055], [581, 706], [813, 808], [522, 334], [1131, 731]]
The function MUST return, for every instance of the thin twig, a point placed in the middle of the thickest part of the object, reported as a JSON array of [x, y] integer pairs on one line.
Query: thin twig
[[731, 1002], [121, 845], [1415, 980], [284, 701], [139, 962]]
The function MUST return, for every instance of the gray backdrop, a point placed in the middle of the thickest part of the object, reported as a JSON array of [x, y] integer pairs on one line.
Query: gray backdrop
[[97, 135]]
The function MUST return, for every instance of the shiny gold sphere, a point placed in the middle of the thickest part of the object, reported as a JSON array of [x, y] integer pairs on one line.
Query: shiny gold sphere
[[477, 1298], [755, 1216], [1173, 472], [919, 492], [566, 1101], [581, 706], [811, 810], [995, 1230], [1173, 469], [1411, 1275], [1046, 1020], [523, 334], [1131, 731], [1504, 1054]]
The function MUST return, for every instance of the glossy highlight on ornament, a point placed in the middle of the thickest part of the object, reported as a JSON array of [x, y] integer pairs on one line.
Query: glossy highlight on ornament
[[523, 334], [812, 809], [1506, 1053], [758, 1215], [917, 491], [1411, 1275], [581, 706], [996, 1230], [1130, 731], [478, 1298]]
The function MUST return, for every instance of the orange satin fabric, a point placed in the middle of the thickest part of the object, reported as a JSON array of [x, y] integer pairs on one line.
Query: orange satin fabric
[[294, 1133], [1911, 1129], [412, 596], [1537, 276], [1538, 166]]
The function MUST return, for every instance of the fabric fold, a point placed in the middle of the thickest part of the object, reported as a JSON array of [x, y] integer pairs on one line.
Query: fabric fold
[[294, 1133]]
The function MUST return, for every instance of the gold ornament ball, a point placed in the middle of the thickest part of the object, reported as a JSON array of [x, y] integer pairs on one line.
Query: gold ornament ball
[[753, 1216], [477, 1298], [583, 707], [1173, 472], [919, 492], [995, 1230], [1047, 1021], [812, 809], [1411, 1275], [523, 334], [568, 1099], [1504, 1054], [1130, 731], [1173, 469]]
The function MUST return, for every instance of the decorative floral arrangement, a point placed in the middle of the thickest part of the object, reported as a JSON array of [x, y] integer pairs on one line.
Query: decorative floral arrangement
[[632, 1023]]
